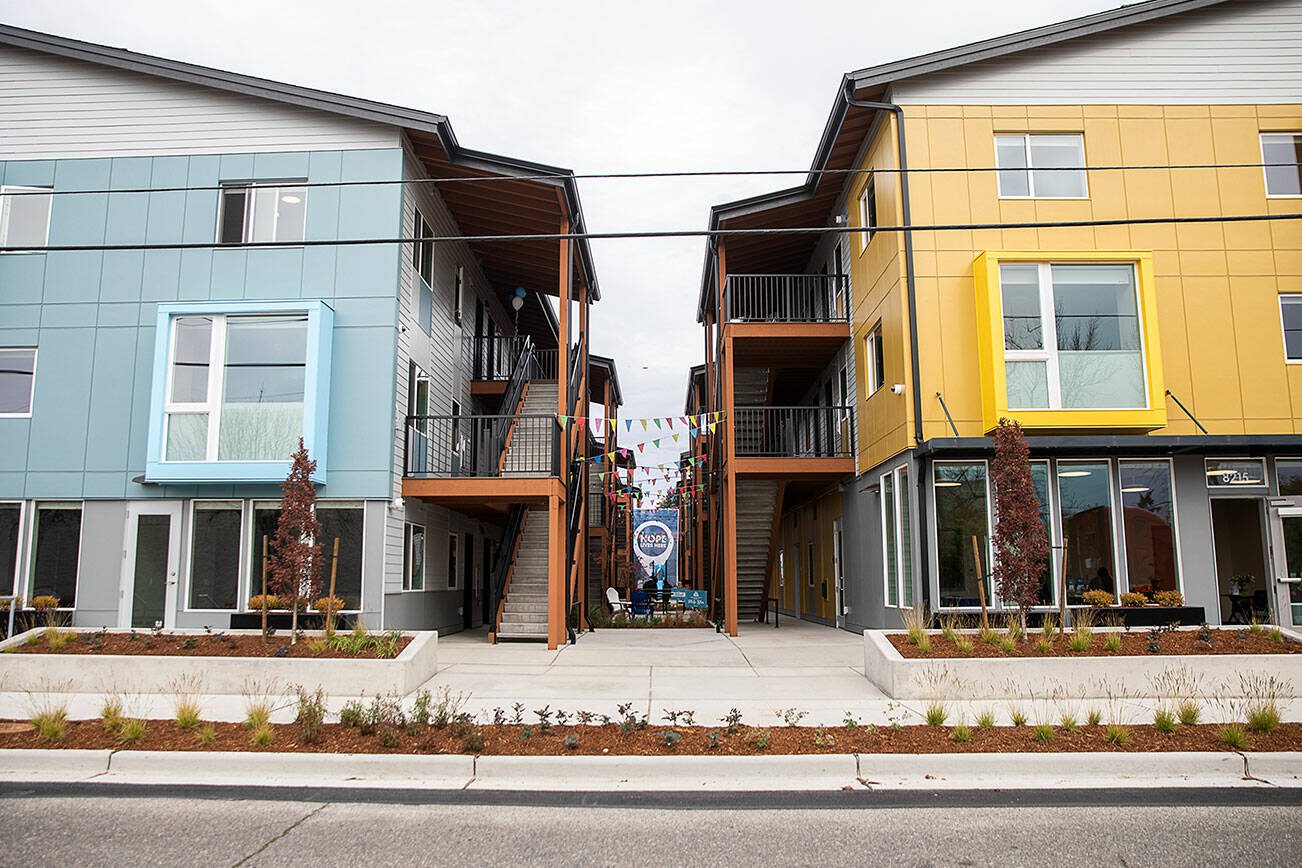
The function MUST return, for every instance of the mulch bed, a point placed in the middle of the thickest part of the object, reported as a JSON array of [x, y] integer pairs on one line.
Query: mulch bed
[[1133, 644], [145, 644], [609, 739]]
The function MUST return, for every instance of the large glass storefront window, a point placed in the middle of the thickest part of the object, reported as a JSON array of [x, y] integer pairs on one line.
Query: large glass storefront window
[[56, 552], [342, 521], [10, 523], [1148, 515], [215, 555], [962, 513], [1085, 502], [1040, 479]]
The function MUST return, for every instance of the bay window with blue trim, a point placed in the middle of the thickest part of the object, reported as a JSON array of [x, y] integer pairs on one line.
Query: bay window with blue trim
[[234, 387]]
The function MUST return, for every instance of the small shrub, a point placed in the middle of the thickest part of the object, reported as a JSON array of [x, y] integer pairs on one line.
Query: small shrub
[[732, 721], [823, 738], [1049, 626], [1154, 641], [352, 713], [986, 719], [1205, 634], [761, 738], [1164, 720], [1043, 733], [1172, 599], [936, 714], [850, 721], [1188, 712], [1080, 641], [50, 725], [571, 742], [132, 731], [1116, 734], [206, 734], [1068, 722], [389, 738], [473, 741], [259, 703], [317, 646], [526, 733], [44, 602], [1112, 642], [1007, 645], [792, 716], [1254, 626], [916, 620], [964, 644], [1134, 600], [1094, 716], [110, 713], [1099, 599], [1014, 629], [923, 643], [263, 736], [1276, 635], [1233, 736], [1017, 716], [57, 638], [311, 715], [1263, 718], [988, 636], [949, 626], [961, 734], [187, 714], [670, 738], [255, 602], [712, 739]]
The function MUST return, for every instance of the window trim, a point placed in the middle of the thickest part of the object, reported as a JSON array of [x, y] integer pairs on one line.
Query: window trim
[[991, 353], [867, 215], [247, 224], [4, 214], [874, 379], [29, 558], [1293, 298], [407, 584], [1265, 178], [1175, 517], [31, 394], [243, 573], [1029, 169], [1213, 490], [19, 555], [897, 533]]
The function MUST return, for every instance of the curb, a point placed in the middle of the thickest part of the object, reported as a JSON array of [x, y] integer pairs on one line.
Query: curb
[[824, 772]]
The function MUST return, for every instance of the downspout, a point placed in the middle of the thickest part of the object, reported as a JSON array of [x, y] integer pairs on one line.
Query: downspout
[[912, 295]]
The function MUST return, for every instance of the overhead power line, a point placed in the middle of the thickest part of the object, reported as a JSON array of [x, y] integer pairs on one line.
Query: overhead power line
[[616, 176], [665, 233]]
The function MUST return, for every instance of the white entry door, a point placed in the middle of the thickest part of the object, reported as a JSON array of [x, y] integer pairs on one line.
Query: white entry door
[[151, 554]]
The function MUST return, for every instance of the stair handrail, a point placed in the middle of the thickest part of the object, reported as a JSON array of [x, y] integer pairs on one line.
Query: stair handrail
[[503, 560], [573, 510], [573, 389], [520, 372]]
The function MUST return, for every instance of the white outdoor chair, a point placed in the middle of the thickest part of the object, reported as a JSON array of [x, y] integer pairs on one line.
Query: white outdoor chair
[[616, 604]]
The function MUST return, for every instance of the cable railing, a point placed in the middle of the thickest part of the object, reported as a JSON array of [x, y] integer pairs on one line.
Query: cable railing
[[787, 298], [794, 432], [482, 446]]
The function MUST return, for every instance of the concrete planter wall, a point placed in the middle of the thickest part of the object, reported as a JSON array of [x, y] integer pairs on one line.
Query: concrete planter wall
[[97, 673], [1009, 677]]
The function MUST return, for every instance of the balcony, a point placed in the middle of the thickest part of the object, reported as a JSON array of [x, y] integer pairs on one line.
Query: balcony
[[787, 298], [482, 446], [794, 440], [492, 359]]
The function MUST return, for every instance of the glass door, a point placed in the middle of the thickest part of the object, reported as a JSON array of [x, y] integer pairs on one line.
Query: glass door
[[1291, 520], [150, 566]]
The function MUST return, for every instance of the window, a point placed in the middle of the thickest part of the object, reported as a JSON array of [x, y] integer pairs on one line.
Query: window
[[1041, 166], [867, 212], [422, 259], [11, 522], [1040, 480], [1089, 353], [458, 297], [413, 557], [252, 213], [1285, 148], [1148, 516], [215, 555], [1290, 314], [453, 546], [1289, 474], [1226, 472], [874, 361], [258, 365], [25, 216], [342, 521], [1085, 502], [56, 552], [962, 515], [17, 380], [897, 538]]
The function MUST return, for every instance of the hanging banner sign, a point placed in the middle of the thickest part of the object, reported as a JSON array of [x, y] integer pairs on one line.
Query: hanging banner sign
[[655, 542]]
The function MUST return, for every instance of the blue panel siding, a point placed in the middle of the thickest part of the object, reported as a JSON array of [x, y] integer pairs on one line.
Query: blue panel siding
[[92, 314]]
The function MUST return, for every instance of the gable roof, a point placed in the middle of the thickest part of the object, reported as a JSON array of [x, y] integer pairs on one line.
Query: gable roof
[[431, 134], [847, 125]]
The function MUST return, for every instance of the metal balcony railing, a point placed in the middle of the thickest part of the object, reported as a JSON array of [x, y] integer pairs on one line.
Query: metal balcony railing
[[787, 298], [459, 446], [494, 358], [794, 432]]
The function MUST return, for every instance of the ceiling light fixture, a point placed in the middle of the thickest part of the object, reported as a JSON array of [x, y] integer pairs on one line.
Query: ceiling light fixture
[[291, 200], [1071, 474]]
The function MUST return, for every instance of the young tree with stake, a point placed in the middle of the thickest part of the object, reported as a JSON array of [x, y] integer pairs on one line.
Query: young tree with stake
[[1020, 546], [294, 567]]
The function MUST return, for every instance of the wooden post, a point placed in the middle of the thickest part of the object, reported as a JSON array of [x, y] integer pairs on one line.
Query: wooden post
[[1062, 589], [330, 597], [264, 587], [981, 582]]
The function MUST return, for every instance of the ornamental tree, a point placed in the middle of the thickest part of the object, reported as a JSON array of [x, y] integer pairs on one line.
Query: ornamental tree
[[1021, 548], [294, 563]]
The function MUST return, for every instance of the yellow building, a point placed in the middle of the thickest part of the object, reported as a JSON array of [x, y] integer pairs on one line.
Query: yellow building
[[1108, 169]]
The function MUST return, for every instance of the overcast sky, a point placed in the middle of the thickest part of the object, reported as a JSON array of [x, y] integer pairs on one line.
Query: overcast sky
[[591, 86]]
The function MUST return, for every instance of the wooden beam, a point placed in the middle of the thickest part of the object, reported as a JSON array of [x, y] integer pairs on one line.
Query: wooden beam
[[729, 495], [488, 489], [555, 572], [786, 468]]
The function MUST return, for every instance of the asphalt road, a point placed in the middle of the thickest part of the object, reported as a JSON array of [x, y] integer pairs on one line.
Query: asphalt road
[[70, 825]]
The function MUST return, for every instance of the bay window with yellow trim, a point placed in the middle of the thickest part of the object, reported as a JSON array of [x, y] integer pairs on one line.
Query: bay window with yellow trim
[[1068, 340]]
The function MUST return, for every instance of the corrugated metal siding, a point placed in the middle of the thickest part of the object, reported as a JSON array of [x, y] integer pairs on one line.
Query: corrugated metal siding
[[57, 107], [1243, 52]]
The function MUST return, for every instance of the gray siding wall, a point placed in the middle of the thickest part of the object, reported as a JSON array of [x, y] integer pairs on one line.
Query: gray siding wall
[[58, 107], [1238, 52]]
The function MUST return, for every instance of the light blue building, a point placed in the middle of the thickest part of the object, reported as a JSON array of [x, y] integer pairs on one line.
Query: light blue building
[[149, 398]]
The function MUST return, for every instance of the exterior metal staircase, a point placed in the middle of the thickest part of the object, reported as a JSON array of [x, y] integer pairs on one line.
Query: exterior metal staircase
[[756, 500], [524, 617]]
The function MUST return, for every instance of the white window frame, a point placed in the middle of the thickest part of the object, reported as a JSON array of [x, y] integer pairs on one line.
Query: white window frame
[[246, 234], [31, 395], [6, 200], [16, 583], [867, 212], [243, 577], [1048, 352], [933, 577], [1290, 298], [29, 561], [1120, 578], [1030, 169], [216, 383], [408, 579], [1265, 177], [423, 249], [896, 532], [876, 379]]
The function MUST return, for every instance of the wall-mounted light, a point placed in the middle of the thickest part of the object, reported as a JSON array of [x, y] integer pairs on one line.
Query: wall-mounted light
[[898, 389]]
